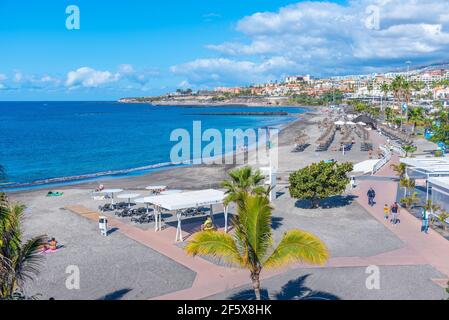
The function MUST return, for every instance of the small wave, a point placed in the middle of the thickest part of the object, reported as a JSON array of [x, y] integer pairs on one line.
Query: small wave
[[88, 176]]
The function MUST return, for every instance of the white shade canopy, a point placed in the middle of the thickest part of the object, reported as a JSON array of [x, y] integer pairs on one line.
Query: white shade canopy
[[350, 123], [171, 192], [128, 195], [140, 200], [152, 188], [111, 190], [442, 182], [185, 200], [340, 123]]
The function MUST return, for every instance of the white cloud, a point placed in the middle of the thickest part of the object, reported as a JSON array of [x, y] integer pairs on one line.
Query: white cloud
[[224, 71], [125, 78], [20, 80], [88, 77], [327, 38]]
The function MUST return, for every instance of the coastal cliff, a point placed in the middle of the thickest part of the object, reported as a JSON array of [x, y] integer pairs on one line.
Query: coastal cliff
[[208, 101]]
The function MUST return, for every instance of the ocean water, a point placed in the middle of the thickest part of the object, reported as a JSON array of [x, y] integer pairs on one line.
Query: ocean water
[[45, 142]]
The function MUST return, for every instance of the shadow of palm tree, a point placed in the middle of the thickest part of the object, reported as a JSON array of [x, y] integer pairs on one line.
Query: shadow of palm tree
[[276, 222], [116, 295], [249, 295], [297, 290], [292, 290]]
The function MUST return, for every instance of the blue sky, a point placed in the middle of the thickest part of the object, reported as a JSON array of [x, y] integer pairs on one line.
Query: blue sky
[[137, 48]]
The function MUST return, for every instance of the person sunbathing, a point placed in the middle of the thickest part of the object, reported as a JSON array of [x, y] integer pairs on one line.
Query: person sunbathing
[[53, 244]]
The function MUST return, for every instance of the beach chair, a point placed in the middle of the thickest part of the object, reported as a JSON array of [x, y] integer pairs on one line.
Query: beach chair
[[145, 218], [106, 207]]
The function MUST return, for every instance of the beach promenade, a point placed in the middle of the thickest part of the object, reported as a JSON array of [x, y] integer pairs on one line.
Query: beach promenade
[[138, 263]]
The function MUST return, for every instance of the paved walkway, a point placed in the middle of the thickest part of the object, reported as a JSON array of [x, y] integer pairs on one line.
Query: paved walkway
[[429, 248], [419, 249]]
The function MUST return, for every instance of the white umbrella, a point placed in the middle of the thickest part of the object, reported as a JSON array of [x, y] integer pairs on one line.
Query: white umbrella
[[145, 201], [156, 189], [361, 123], [128, 196], [111, 191]]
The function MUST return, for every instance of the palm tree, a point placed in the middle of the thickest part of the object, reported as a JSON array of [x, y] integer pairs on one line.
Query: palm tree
[[400, 169], [402, 90], [409, 149], [407, 184], [430, 206], [385, 88], [243, 180], [416, 116], [251, 245], [442, 217], [18, 261], [389, 113], [410, 201]]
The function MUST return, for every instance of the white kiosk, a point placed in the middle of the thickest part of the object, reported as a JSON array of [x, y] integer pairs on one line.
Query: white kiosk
[[103, 225]]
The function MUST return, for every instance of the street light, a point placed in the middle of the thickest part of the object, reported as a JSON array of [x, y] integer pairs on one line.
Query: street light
[[408, 63]]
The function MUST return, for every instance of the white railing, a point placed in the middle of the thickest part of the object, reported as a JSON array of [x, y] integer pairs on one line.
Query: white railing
[[399, 150], [385, 159]]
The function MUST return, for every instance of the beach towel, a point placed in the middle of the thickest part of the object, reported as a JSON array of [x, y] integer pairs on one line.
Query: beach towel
[[54, 194], [59, 247]]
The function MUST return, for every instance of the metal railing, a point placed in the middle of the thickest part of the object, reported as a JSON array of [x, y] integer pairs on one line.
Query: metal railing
[[385, 159], [399, 150]]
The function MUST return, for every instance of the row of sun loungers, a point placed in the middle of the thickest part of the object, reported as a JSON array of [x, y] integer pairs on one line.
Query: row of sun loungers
[[346, 139], [301, 147], [326, 139], [366, 145], [396, 135], [301, 142]]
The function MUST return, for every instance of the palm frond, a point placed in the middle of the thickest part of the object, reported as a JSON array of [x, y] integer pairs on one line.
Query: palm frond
[[254, 214], [214, 243], [29, 260], [298, 246]]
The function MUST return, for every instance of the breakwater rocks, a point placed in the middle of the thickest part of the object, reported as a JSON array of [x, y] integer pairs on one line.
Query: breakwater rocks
[[267, 113]]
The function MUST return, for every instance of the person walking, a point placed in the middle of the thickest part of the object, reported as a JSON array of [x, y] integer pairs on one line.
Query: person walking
[[425, 221], [371, 195], [353, 184], [395, 213], [386, 211]]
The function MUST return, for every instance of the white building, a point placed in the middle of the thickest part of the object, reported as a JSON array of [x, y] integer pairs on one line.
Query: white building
[[297, 79]]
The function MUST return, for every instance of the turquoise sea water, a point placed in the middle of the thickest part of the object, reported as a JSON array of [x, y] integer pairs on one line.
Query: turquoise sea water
[[45, 142]]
